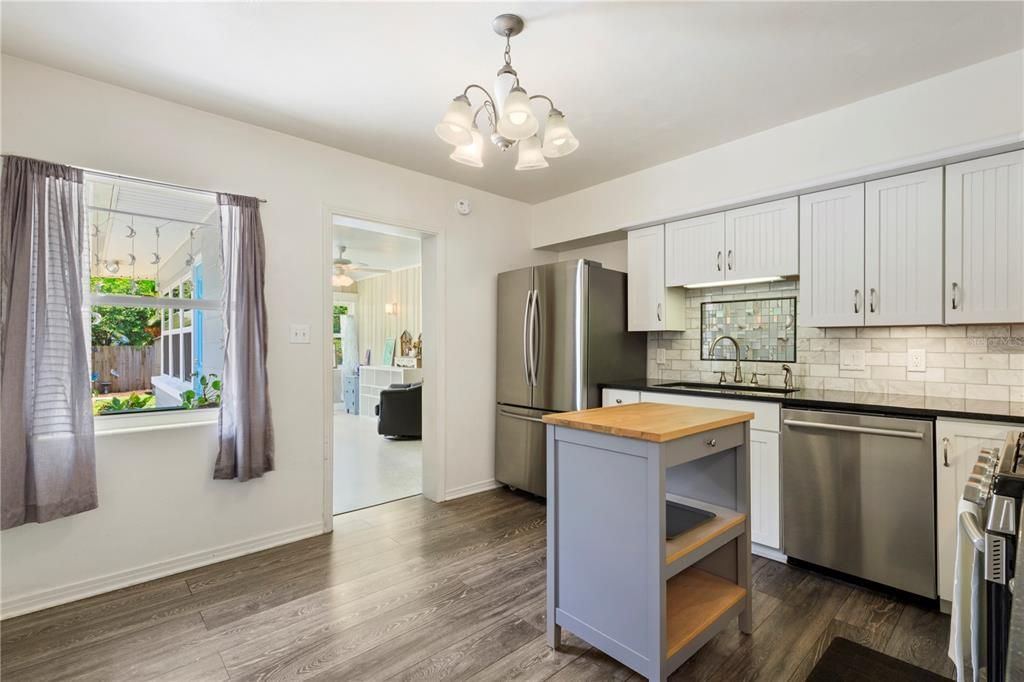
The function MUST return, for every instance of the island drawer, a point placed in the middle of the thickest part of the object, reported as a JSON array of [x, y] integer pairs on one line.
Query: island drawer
[[703, 444]]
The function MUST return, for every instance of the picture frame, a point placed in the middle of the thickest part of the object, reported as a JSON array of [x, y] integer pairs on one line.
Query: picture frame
[[388, 358]]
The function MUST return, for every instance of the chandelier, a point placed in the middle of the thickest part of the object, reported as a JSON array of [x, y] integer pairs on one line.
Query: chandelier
[[510, 117]]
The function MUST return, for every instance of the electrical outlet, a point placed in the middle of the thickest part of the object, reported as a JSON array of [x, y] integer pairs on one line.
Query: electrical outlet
[[299, 333], [852, 359], [916, 360], [661, 356]]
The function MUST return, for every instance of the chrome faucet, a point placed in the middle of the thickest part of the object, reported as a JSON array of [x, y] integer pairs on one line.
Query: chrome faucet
[[737, 376]]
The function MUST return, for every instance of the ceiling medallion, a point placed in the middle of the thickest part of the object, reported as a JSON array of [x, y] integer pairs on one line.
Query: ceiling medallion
[[509, 115]]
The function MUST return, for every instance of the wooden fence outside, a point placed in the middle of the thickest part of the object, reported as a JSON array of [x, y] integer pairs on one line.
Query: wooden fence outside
[[135, 367]]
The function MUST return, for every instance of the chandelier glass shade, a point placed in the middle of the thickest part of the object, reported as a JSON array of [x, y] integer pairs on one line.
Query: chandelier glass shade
[[509, 114]]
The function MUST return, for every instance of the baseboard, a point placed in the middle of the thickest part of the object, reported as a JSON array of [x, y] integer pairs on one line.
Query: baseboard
[[767, 552], [44, 599], [471, 489]]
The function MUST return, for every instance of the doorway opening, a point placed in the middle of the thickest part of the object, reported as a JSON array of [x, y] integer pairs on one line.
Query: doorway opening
[[376, 328]]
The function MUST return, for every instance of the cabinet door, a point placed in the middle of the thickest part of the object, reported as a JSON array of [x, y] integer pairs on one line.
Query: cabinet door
[[764, 489], [832, 258], [610, 397], [985, 240], [762, 240], [957, 446], [903, 249], [694, 250], [646, 281]]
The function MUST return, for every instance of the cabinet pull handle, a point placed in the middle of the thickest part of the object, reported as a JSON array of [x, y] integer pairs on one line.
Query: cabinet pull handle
[[871, 303], [729, 260], [659, 312], [945, 452], [718, 259], [711, 442], [955, 288], [618, 401], [856, 300]]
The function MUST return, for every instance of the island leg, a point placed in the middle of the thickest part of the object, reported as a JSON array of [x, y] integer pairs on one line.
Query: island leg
[[554, 631], [743, 554]]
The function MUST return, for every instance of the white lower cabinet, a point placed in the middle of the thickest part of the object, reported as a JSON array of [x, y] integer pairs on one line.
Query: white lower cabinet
[[617, 396], [765, 509], [957, 446], [765, 500]]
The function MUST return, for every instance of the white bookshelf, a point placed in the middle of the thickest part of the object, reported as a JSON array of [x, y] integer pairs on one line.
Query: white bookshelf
[[374, 378]]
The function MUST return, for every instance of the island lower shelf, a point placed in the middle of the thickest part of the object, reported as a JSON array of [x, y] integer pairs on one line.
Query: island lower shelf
[[694, 601]]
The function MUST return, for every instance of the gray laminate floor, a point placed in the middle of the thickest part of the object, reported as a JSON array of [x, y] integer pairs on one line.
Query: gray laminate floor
[[417, 590]]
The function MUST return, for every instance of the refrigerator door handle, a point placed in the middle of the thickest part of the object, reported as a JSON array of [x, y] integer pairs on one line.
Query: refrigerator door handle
[[535, 332], [578, 336], [521, 417], [526, 336]]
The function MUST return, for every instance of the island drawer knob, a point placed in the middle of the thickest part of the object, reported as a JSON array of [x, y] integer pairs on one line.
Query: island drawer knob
[[711, 442]]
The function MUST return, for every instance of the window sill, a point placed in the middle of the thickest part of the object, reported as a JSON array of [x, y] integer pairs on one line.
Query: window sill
[[138, 422]]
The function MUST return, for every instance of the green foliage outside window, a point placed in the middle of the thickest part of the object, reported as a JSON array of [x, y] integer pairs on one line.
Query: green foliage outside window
[[119, 326]]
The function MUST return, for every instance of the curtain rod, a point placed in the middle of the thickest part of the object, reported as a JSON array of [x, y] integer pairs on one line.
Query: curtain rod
[[142, 180]]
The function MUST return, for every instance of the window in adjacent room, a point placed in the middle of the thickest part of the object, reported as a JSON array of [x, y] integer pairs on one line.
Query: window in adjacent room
[[153, 296]]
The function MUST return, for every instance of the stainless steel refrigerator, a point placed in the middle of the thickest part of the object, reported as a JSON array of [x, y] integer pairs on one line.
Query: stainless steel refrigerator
[[561, 332]]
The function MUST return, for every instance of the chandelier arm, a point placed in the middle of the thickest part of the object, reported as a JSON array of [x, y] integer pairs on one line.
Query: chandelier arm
[[551, 105], [465, 93], [486, 108]]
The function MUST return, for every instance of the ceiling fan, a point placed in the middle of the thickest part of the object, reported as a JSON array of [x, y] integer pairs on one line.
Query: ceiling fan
[[344, 266]]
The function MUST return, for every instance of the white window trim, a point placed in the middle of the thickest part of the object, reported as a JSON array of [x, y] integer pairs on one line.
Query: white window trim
[[153, 420]]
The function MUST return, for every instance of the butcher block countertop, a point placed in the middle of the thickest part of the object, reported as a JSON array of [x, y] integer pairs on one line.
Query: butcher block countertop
[[654, 422]]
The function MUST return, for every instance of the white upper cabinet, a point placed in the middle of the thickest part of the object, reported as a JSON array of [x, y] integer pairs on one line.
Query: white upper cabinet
[[985, 240], [650, 306], [903, 249], [695, 250], [832, 258], [762, 240]]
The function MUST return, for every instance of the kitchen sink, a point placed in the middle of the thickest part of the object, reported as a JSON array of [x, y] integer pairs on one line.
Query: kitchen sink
[[747, 388]]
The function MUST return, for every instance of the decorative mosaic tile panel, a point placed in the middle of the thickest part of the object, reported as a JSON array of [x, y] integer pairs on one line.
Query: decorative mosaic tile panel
[[764, 329]]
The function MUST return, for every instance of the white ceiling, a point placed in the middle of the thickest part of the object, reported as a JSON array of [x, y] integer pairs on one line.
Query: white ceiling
[[375, 250], [640, 83]]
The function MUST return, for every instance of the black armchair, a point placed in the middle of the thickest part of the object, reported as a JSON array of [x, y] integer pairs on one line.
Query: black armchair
[[400, 411]]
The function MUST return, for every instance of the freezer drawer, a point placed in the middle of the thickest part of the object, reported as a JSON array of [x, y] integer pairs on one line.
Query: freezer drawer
[[858, 496], [520, 449]]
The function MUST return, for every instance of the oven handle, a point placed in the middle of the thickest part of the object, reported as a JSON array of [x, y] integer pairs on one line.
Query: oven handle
[[916, 435], [973, 528]]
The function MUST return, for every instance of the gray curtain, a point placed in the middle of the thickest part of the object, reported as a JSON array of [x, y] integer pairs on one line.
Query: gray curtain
[[246, 433], [47, 451]]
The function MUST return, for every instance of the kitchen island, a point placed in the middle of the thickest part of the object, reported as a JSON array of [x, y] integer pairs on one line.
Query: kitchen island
[[648, 530]]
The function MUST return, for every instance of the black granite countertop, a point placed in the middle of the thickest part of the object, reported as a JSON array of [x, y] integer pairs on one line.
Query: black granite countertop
[[913, 406]]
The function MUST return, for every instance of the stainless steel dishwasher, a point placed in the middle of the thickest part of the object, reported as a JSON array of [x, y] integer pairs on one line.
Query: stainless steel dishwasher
[[858, 496]]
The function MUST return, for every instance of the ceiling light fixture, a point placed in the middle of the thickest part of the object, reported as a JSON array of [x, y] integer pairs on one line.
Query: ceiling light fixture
[[510, 116]]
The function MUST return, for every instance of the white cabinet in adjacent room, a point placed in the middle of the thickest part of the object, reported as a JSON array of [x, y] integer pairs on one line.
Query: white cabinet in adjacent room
[[650, 305], [695, 250], [762, 240], [832, 258], [611, 397], [985, 240], [903, 249], [958, 445]]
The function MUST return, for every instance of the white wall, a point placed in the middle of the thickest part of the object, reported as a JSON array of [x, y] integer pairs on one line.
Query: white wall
[[963, 107], [159, 510], [402, 287], [611, 255]]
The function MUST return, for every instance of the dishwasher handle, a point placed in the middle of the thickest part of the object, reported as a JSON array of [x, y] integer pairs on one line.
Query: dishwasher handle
[[894, 433]]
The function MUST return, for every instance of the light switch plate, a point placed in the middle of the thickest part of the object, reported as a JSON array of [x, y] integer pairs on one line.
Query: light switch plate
[[299, 333], [851, 358], [661, 356], [916, 360]]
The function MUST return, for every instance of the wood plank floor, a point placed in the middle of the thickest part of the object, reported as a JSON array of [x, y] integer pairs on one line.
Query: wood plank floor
[[414, 590]]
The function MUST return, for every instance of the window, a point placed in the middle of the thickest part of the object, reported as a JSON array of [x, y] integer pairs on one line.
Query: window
[[340, 311], [153, 296]]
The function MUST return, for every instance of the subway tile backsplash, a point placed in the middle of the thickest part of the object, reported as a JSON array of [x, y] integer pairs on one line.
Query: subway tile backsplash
[[983, 362]]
